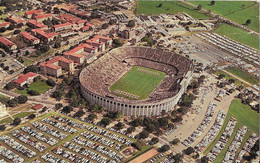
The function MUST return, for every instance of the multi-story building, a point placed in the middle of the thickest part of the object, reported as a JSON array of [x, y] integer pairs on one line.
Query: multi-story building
[[61, 27], [7, 43], [14, 20], [40, 18], [5, 24], [28, 38], [54, 66], [47, 37], [25, 79], [31, 13], [100, 41], [34, 24]]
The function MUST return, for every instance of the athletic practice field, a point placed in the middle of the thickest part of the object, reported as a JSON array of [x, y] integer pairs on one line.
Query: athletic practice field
[[137, 83]]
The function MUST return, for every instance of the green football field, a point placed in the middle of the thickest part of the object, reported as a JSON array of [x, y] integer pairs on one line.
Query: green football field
[[137, 83]]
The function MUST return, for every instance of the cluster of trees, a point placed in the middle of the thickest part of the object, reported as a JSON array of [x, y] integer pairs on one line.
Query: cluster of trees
[[148, 39], [187, 100], [164, 148], [117, 43], [253, 153], [115, 115], [17, 100]]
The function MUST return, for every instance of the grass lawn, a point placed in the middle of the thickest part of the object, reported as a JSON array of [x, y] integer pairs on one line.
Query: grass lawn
[[139, 83], [227, 77], [238, 11], [4, 98], [173, 7], [239, 35], [38, 86], [241, 113], [19, 115], [243, 75], [26, 61], [43, 55]]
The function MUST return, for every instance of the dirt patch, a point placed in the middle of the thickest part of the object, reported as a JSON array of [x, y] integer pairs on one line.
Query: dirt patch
[[145, 156]]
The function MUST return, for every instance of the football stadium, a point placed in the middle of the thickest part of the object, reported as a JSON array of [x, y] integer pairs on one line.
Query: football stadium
[[138, 81]]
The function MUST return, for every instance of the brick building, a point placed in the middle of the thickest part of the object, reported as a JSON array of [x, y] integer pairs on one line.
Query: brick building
[[28, 38], [31, 13], [25, 79], [7, 43]]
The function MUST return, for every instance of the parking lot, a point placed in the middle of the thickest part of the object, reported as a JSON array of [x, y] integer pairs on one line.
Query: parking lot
[[57, 138]]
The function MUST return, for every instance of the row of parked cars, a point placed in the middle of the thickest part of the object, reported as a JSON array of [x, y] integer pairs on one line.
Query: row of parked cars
[[203, 125], [49, 130], [69, 122], [110, 135], [28, 140], [223, 140], [234, 146], [59, 125], [95, 146], [85, 152], [38, 135], [15, 158], [52, 159], [247, 146], [17, 146], [212, 132]]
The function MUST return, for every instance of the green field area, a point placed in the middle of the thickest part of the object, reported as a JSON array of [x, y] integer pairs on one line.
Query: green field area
[[238, 11], [241, 113], [138, 81], [26, 61], [4, 98], [227, 77], [239, 35], [38, 86], [243, 75], [173, 7], [19, 115]]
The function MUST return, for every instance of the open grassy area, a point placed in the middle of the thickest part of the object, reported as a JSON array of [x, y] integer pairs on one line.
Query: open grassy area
[[238, 11], [38, 86], [239, 35], [3, 98], [227, 77], [241, 113], [19, 115], [26, 61], [243, 75], [138, 81], [173, 7], [43, 55]]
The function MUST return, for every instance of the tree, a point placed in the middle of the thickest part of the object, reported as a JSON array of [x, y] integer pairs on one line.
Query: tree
[[189, 151], [10, 86], [117, 43], [6, 68], [248, 21], [58, 106], [160, 5], [131, 23], [22, 99], [230, 81], [164, 148], [154, 140], [2, 29], [119, 125], [177, 158], [57, 94], [33, 93], [50, 82], [137, 145], [67, 109], [2, 127], [131, 129], [204, 159], [32, 116], [28, 29], [79, 113], [31, 68], [163, 122], [221, 76], [12, 103], [199, 7], [144, 134], [212, 2], [92, 117], [182, 110], [17, 121], [105, 121], [114, 114], [72, 93], [175, 141], [105, 26], [17, 32]]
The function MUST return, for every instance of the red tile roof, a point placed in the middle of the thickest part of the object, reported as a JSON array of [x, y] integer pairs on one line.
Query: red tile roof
[[28, 36], [74, 54], [4, 24], [24, 77], [55, 59], [37, 106], [6, 42], [46, 35], [33, 12], [13, 20], [36, 24], [62, 25], [42, 16]]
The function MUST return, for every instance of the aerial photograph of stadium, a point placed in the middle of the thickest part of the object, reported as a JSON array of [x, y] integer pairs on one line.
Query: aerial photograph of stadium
[[129, 81]]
